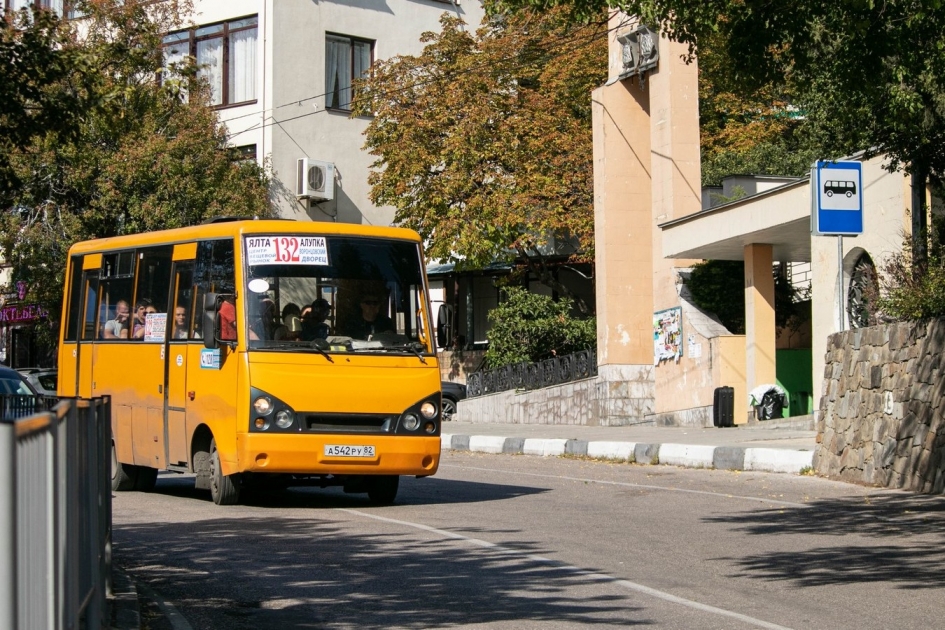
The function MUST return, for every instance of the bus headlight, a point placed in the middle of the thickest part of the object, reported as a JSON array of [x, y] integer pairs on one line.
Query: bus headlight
[[284, 419], [411, 422], [262, 405], [428, 410]]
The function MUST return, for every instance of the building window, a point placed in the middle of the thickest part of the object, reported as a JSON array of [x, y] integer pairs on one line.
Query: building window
[[346, 58], [225, 54], [59, 6], [244, 153]]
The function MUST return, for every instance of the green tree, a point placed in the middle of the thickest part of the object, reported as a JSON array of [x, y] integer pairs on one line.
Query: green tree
[[483, 141], [143, 155], [528, 327], [866, 74]]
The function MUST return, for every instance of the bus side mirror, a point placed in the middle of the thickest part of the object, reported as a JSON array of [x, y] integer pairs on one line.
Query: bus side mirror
[[211, 330]]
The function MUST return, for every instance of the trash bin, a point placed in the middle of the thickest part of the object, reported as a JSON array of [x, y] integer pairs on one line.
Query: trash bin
[[723, 407]]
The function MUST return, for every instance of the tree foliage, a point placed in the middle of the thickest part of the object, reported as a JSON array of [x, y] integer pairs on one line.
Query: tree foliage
[[483, 141], [866, 74], [132, 154], [529, 327]]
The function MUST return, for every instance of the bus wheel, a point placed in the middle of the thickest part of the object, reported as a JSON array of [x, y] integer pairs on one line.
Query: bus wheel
[[123, 475], [224, 490], [146, 479], [382, 489]]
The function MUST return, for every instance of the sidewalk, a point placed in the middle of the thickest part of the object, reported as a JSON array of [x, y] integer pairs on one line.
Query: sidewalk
[[785, 446]]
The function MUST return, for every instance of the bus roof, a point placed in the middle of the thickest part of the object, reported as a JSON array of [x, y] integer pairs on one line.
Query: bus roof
[[232, 228]]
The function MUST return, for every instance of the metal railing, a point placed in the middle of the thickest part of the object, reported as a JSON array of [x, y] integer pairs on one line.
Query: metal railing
[[528, 376], [55, 512]]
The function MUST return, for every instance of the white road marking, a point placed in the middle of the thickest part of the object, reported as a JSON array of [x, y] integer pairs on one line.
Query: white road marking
[[600, 577], [640, 485]]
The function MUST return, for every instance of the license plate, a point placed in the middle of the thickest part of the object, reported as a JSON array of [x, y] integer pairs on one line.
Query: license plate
[[345, 450]]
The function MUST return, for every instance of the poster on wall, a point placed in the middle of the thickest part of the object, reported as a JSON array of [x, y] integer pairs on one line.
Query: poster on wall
[[667, 335]]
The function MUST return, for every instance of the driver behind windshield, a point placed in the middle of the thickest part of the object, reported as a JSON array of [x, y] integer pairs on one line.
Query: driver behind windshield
[[372, 319]]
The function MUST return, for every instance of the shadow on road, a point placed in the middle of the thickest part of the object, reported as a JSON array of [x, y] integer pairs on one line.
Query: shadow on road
[[313, 569], [895, 538], [413, 491]]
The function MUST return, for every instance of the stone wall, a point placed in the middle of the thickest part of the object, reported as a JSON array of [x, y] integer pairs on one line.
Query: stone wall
[[456, 364], [881, 409], [618, 396]]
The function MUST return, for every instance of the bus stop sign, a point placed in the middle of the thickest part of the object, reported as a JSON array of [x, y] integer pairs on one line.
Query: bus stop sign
[[837, 199]]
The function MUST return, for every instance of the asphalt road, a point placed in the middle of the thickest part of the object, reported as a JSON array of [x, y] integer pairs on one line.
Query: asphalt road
[[499, 541]]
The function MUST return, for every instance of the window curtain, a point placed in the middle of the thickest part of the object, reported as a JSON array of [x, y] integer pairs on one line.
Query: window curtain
[[210, 67], [362, 59], [242, 71], [338, 73]]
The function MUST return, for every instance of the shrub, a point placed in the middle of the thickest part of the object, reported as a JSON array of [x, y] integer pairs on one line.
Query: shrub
[[527, 327], [910, 290]]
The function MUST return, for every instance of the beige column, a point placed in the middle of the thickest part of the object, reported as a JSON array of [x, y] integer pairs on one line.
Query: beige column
[[622, 224], [759, 315]]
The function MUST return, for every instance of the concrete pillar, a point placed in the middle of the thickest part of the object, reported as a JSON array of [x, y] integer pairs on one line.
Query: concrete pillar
[[759, 315], [622, 224]]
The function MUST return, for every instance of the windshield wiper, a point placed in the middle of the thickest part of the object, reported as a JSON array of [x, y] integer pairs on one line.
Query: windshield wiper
[[317, 346], [416, 347]]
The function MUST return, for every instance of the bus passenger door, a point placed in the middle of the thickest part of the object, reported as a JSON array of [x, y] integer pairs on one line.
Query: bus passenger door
[[179, 352]]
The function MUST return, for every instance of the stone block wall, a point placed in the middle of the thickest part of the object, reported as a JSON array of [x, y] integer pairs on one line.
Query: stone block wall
[[456, 364], [881, 409], [617, 396]]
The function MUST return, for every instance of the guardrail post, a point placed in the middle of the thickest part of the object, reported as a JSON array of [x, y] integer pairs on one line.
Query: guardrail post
[[8, 592]]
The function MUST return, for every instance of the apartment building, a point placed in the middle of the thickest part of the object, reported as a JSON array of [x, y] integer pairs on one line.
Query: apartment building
[[281, 72]]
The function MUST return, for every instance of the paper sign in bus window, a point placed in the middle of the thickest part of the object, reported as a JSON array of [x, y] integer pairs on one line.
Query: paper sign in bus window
[[286, 250]]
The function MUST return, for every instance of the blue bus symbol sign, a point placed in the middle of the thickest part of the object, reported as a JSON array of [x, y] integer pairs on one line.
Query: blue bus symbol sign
[[837, 204]]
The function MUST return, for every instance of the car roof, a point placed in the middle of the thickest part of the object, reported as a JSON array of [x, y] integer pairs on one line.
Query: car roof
[[9, 373]]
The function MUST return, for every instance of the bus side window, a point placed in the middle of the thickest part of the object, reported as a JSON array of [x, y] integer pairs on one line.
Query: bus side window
[[73, 319], [116, 285], [215, 272]]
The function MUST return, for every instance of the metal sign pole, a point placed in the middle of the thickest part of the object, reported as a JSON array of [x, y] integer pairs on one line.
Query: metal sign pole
[[840, 295]]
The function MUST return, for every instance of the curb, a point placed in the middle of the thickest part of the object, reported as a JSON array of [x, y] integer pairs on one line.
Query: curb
[[779, 460], [123, 602]]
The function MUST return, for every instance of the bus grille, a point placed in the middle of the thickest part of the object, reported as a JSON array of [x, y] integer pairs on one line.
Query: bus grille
[[348, 423]]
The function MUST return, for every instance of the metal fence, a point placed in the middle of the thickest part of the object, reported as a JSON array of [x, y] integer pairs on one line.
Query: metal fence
[[55, 512], [527, 376]]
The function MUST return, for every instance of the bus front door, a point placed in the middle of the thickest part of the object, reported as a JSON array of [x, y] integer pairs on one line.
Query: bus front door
[[179, 351]]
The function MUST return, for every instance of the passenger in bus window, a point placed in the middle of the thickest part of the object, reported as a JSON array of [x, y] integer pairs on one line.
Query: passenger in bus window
[[314, 325], [141, 316], [118, 328], [292, 320], [180, 323], [227, 319]]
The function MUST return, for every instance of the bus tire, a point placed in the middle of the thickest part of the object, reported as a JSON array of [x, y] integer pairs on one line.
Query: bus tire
[[382, 489], [124, 476], [224, 489], [146, 479]]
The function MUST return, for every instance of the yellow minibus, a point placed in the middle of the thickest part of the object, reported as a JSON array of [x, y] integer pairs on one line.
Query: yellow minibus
[[256, 353]]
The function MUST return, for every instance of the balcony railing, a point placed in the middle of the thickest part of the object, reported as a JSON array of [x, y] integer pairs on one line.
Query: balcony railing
[[529, 376]]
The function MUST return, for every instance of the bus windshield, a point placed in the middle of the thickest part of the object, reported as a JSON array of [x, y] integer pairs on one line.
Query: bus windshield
[[334, 294]]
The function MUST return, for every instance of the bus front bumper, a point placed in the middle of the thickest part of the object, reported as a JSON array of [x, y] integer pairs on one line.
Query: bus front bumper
[[308, 454]]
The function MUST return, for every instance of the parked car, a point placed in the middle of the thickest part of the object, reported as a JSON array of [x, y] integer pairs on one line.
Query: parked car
[[43, 380], [18, 399], [452, 394]]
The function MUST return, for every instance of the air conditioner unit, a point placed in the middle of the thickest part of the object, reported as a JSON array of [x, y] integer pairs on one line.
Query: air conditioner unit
[[315, 180]]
